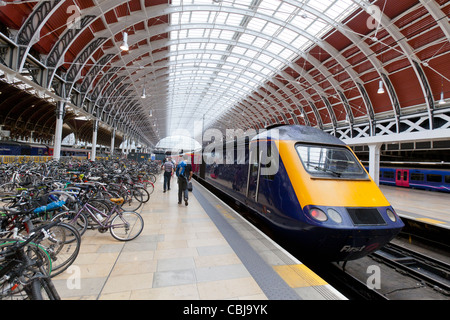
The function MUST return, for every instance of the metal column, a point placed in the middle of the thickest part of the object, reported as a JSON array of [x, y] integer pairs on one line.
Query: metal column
[[94, 141], [60, 111], [374, 162], [113, 137]]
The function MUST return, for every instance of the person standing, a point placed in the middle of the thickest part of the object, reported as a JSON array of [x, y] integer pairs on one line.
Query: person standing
[[168, 172], [184, 174]]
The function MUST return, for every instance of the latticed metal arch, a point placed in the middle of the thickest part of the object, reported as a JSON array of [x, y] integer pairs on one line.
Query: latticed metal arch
[[326, 47], [279, 90]]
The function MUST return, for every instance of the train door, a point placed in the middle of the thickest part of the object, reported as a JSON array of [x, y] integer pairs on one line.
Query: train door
[[253, 174], [402, 177]]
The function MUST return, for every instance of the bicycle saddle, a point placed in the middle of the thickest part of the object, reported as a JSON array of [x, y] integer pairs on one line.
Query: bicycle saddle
[[118, 201]]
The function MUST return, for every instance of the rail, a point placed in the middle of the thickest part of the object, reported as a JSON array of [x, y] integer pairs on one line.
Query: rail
[[424, 268]]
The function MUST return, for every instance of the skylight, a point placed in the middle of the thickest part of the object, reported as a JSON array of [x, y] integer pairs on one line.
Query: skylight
[[273, 34]]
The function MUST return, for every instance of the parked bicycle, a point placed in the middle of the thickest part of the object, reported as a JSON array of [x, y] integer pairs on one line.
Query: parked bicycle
[[25, 268], [123, 225]]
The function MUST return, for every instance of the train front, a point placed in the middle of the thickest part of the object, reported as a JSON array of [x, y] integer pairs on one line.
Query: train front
[[347, 215]]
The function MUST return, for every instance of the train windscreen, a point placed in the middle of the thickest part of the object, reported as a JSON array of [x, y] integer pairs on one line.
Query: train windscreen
[[330, 162]]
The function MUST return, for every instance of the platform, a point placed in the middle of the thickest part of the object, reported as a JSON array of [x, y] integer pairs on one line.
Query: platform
[[426, 206], [203, 251]]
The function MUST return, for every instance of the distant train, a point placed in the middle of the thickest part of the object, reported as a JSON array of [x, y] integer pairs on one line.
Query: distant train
[[319, 197], [427, 179], [11, 148]]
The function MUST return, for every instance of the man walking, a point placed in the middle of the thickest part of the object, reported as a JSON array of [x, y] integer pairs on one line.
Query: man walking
[[184, 174], [168, 172]]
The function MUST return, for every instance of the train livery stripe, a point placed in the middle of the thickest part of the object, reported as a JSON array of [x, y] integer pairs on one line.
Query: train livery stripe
[[299, 276]]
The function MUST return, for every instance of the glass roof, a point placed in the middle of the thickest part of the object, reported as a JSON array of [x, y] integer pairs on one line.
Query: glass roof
[[223, 50]]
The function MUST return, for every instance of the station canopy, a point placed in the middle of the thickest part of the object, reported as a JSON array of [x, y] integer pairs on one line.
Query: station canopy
[[151, 67]]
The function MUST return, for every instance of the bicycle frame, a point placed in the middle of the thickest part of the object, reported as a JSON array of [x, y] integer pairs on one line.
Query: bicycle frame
[[104, 223]]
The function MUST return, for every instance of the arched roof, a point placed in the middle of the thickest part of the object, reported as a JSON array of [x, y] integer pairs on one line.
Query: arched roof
[[236, 63]]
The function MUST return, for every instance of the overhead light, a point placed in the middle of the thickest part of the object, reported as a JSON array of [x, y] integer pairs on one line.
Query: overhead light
[[124, 46], [442, 101], [380, 88], [143, 94], [151, 113]]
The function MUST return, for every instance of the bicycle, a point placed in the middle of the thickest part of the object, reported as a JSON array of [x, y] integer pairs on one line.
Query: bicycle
[[61, 241], [25, 267], [123, 225], [133, 196]]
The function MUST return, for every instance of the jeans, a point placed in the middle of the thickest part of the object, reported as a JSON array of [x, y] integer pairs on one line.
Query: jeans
[[182, 188], [167, 176]]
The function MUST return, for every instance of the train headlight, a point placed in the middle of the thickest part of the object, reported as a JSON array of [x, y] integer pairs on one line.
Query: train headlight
[[391, 215], [318, 214], [334, 215]]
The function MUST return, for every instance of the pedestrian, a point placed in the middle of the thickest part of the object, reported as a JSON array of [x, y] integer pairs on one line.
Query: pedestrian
[[168, 172], [184, 174]]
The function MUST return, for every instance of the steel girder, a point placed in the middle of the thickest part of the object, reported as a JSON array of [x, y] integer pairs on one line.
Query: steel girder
[[30, 29]]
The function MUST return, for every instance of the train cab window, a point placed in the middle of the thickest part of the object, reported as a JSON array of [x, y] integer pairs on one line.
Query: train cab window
[[332, 162], [434, 178], [447, 179]]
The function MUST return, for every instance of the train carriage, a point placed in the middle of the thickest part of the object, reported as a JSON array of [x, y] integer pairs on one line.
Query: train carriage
[[309, 187], [418, 178]]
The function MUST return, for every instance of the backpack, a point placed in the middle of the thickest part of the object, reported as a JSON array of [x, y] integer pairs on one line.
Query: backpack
[[182, 169]]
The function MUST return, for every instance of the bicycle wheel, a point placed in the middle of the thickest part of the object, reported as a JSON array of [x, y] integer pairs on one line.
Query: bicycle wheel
[[133, 200], [126, 226], [80, 223], [149, 186], [8, 189], [15, 284], [152, 177], [102, 205], [63, 244], [145, 193], [33, 251]]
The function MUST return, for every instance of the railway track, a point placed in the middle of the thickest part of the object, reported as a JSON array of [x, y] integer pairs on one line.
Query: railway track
[[406, 274], [423, 268]]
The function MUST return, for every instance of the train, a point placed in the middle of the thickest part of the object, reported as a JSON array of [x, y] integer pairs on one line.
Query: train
[[307, 186], [417, 178], [13, 148]]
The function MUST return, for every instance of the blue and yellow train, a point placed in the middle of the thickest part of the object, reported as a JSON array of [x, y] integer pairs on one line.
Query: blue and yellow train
[[308, 186]]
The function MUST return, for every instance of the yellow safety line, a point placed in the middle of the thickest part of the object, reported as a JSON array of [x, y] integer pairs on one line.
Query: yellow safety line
[[430, 220], [299, 275]]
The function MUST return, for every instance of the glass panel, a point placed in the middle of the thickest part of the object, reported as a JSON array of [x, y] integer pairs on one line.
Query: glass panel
[[330, 162], [271, 32], [434, 178]]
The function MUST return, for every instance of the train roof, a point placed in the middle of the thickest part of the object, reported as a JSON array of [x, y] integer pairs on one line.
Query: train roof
[[299, 133]]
